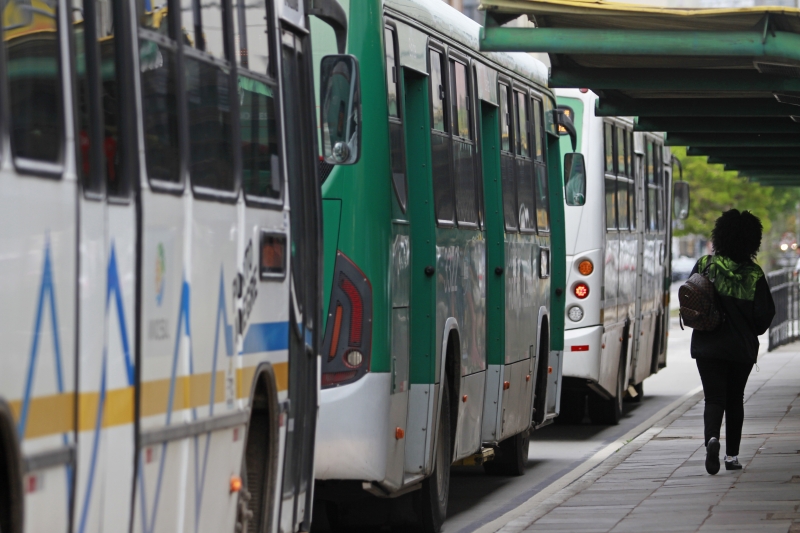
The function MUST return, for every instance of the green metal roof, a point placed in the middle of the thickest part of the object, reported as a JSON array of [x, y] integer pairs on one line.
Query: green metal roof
[[724, 82]]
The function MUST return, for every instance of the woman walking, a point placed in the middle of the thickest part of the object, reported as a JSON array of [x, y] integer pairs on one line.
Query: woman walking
[[726, 355]]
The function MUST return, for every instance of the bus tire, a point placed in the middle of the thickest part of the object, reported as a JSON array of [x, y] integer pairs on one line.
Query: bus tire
[[511, 456], [609, 412], [259, 460], [11, 495], [431, 499]]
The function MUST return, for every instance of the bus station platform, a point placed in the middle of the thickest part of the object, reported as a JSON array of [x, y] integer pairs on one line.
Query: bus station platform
[[657, 481]]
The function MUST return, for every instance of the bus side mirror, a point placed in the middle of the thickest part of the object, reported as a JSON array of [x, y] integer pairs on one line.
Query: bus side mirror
[[340, 110], [680, 202], [574, 179]]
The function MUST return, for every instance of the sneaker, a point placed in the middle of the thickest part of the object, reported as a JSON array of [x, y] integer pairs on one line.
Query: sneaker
[[712, 456], [732, 463]]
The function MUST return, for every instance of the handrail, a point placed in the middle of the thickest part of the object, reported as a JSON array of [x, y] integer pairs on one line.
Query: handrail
[[785, 289]]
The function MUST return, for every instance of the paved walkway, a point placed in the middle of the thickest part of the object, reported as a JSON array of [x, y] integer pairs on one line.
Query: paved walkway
[[658, 483]]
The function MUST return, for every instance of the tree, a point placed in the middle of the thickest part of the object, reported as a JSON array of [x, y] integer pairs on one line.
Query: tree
[[714, 190]]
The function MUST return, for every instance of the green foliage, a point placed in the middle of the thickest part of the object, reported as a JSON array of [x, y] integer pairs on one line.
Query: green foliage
[[713, 190]]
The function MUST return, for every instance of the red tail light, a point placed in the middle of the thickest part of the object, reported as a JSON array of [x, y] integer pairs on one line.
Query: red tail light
[[348, 333], [581, 290]]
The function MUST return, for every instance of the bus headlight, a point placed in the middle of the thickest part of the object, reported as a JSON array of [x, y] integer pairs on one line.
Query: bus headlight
[[575, 313]]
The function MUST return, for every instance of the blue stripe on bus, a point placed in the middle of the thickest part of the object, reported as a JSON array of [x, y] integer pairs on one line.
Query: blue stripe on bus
[[266, 337]]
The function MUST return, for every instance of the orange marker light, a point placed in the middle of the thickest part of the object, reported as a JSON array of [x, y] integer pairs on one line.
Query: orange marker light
[[549, 369], [506, 385], [236, 484], [581, 290], [528, 377], [399, 433], [464, 398], [585, 267]]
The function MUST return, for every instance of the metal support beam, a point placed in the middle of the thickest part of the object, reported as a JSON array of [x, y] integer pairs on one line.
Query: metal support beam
[[667, 80], [744, 140], [733, 152], [718, 124], [694, 107], [751, 44], [750, 167], [755, 160]]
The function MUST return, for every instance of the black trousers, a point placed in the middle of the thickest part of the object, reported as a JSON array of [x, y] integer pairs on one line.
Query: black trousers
[[723, 386]]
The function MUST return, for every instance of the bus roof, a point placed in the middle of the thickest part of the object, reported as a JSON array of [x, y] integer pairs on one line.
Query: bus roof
[[442, 18], [725, 82]]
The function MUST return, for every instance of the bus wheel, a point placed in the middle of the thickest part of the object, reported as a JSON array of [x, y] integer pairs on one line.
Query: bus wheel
[[431, 499], [511, 457], [603, 411]]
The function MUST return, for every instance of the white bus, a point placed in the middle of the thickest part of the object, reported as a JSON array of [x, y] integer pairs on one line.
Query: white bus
[[159, 269], [618, 268]]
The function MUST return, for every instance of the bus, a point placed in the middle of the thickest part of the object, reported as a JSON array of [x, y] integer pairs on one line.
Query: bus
[[618, 238], [443, 267], [160, 271]]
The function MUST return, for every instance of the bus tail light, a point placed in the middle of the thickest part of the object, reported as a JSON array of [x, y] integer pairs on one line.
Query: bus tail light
[[348, 333], [581, 290]]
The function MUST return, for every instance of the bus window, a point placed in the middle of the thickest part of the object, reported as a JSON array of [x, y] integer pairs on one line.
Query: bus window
[[31, 37], [443, 193], [652, 200], [397, 150], [207, 95], [98, 114], [611, 203], [391, 72], [463, 149], [632, 203], [622, 203], [159, 111], [659, 175], [261, 176], [622, 148], [526, 203], [458, 76], [505, 119], [252, 35], [632, 210], [523, 147], [540, 168], [437, 92], [608, 142], [622, 184]]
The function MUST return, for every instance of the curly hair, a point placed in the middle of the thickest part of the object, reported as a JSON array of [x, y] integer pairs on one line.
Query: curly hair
[[737, 235]]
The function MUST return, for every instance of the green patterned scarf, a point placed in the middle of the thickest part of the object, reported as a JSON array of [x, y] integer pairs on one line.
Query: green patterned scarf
[[731, 278]]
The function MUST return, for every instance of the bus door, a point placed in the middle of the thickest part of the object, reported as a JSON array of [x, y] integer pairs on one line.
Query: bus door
[[107, 272], [38, 190], [305, 264], [166, 418], [609, 361], [638, 226]]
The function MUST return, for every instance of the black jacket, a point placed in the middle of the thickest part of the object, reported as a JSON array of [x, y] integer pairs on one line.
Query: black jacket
[[746, 302]]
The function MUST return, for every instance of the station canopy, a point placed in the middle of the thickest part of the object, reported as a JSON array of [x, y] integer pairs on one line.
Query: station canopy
[[725, 83]]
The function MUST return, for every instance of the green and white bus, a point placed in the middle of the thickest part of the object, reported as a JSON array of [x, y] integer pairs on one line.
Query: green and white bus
[[443, 284]]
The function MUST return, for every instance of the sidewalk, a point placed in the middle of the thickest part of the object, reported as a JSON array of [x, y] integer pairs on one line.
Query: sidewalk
[[658, 482]]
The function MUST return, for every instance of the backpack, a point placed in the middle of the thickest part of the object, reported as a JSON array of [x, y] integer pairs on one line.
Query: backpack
[[700, 309]]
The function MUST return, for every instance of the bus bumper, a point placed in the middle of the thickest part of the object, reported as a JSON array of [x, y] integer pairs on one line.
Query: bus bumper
[[582, 353], [352, 430]]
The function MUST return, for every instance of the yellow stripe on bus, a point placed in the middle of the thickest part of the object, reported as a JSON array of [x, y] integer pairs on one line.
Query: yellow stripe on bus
[[55, 413]]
